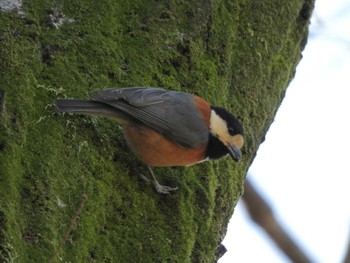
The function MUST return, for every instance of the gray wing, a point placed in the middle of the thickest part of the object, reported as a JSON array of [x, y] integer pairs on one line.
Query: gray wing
[[171, 113]]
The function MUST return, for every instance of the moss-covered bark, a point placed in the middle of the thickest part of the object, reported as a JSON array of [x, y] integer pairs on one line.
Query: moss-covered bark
[[236, 54]]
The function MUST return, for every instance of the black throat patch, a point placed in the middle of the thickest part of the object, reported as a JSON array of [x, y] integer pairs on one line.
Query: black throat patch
[[216, 149]]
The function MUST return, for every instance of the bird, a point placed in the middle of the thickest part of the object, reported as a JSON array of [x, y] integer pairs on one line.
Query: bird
[[165, 128]]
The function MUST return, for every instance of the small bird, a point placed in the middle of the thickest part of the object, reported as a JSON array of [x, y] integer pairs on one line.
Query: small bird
[[165, 128]]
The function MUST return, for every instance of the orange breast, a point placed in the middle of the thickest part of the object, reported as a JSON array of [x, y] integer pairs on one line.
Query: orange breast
[[155, 150]]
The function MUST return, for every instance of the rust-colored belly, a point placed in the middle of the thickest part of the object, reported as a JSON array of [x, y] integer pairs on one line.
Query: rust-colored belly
[[155, 150]]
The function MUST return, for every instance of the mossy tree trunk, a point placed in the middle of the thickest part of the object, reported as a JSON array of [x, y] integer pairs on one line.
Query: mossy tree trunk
[[69, 188]]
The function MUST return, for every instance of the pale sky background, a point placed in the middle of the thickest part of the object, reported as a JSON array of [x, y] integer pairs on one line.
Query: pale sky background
[[303, 166]]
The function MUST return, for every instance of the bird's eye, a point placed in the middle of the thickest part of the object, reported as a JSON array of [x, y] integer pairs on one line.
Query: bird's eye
[[231, 131]]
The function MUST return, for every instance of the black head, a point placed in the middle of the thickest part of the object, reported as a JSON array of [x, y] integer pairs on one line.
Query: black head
[[226, 130]]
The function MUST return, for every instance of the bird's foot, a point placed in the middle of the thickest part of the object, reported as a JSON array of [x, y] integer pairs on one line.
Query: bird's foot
[[162, 189]]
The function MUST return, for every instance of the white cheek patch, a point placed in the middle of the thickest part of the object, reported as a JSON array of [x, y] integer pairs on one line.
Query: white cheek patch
[[218, 127]]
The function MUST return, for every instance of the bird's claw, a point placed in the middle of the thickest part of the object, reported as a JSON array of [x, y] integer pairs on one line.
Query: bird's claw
[[162, 189]]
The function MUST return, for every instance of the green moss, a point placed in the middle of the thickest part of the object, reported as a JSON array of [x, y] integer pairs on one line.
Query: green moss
[[237, 54]]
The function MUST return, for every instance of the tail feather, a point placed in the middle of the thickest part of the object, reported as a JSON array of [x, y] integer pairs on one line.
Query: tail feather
[[87, 107]]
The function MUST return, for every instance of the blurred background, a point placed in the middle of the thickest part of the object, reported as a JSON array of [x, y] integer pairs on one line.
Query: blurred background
[[302, 169]]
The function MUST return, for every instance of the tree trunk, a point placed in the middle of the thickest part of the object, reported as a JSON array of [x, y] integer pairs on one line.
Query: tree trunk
[[69, 186]]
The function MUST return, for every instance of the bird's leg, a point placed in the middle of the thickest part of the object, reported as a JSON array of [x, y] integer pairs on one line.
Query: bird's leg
[[162, 189]]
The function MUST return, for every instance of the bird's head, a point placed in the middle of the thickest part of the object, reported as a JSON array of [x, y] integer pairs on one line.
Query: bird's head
[[227, 129]]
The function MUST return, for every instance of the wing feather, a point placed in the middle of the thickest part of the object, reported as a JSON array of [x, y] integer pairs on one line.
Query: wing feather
[[171, 113]]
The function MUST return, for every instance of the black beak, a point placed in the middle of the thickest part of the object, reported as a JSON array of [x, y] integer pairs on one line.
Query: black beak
[[234, 152]]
